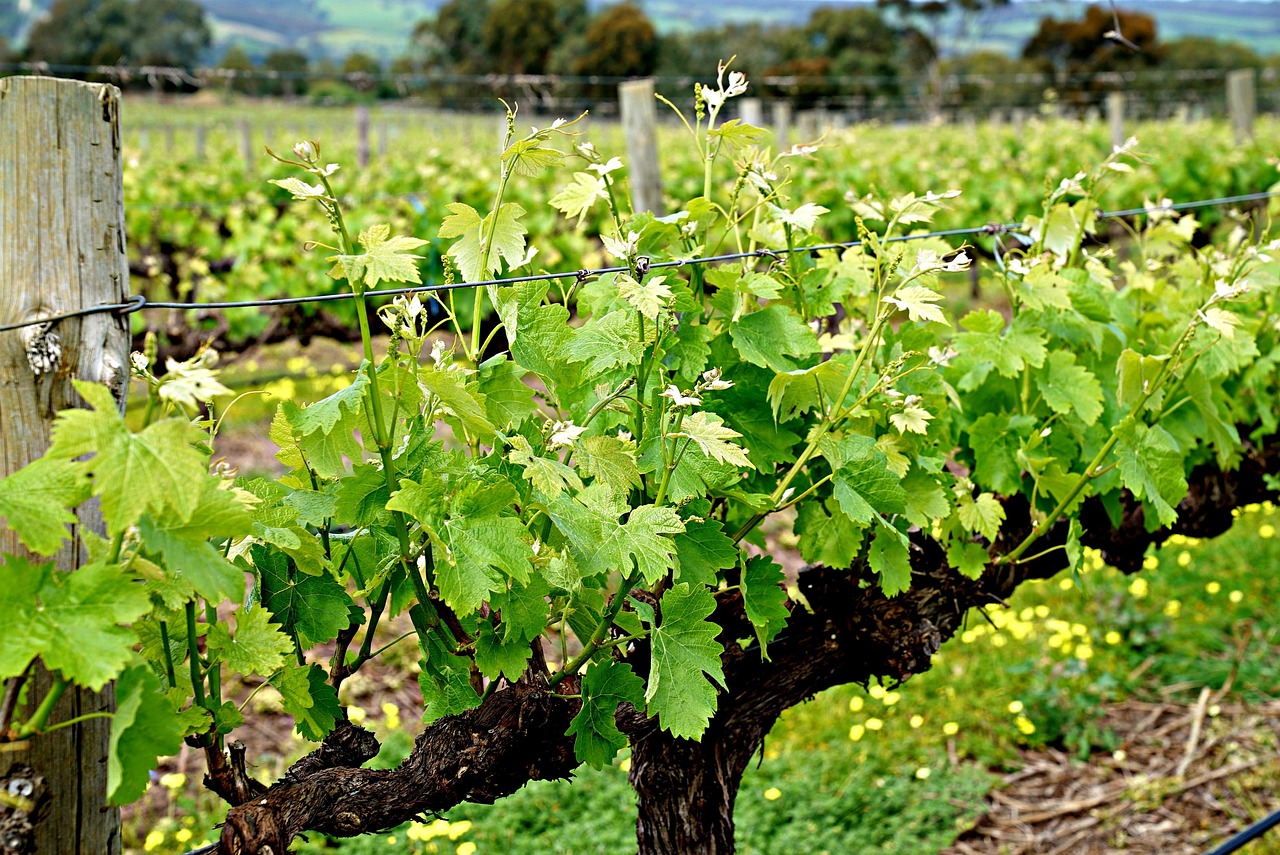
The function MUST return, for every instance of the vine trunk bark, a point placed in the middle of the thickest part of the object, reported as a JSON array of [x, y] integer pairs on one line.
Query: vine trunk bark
[[686, 789]]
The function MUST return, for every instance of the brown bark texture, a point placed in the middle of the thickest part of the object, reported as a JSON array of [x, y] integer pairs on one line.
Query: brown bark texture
[[848, 633]]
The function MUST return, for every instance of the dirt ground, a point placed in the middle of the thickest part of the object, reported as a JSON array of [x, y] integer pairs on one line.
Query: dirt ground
[[1187, 777]]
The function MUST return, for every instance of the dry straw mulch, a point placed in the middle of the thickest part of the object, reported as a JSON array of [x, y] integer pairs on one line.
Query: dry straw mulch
[[1186, 778]]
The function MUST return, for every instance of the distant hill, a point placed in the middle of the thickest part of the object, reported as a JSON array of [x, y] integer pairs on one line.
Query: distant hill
[[381, 27]]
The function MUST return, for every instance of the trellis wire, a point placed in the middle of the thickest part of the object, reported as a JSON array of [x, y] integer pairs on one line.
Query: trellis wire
[[139, 302]]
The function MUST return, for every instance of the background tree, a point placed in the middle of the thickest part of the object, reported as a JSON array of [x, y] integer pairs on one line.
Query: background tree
[[238, 62], [621, 42], [693, 53], [170, 33], [451, 41], [987, 80], [857, 43], [288, 65], [1076, 51], [519, 36]]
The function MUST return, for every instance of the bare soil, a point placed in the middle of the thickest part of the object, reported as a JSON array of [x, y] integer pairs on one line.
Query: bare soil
[[1184, 781]]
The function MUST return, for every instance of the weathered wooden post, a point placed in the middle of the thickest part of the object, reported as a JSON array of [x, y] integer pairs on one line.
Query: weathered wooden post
[[1241, 103], [200, 132], [61, 249], [1115, 118], [751, 111], [781, 115], [639, 124], [246, 141], [362, 136]]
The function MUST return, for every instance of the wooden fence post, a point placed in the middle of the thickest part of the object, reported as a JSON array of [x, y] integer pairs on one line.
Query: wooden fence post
[[1241, 103], [1115, 118], [751, 111], [61, 249], [781, 115], [246, 141], [639, 124], [362, 136]]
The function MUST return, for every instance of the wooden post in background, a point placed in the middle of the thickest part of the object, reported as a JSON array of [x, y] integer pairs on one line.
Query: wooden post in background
[[1241, 103], [200, 142], [639, 125], [751, 111], [246, 141], [362, 136], [61, 249], [781, 115], [1115, 118]]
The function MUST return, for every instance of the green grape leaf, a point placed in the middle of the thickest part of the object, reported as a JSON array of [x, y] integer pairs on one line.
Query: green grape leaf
[[70, 620], [143, 728], [311, 701], [645, 536], [605, 685], [735, 136], [459, 400], [507, 399], [996, 439], [1070, 388], [529, 158], [524, 609], [193, 559], [329, 413], [314, 607], [703, 550], [709, 432], [424, 501], [685, 659], [889, 558], [611, 462], [445, 681], [385, 259], [982, 515], [497, 657], [478, 548], [1136, 373], [36, 500], [148, 472], [550, 477], [926, 500], [825, 534], [258, 646], [986, 345], [765, 599], [281, 433], [186, 548], [605, 342], [649, 299], [1073, 547], [918, 302], [865, 488], [968, 557], [507, 241], [313, 508], [1043, 287], [576, 199], [1151, 466], [771, 336]]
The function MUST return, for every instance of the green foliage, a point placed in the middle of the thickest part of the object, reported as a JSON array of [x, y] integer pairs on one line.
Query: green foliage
[[596, 483]]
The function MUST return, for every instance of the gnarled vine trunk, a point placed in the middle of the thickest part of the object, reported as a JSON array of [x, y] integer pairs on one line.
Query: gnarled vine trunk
[[849, 633]]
